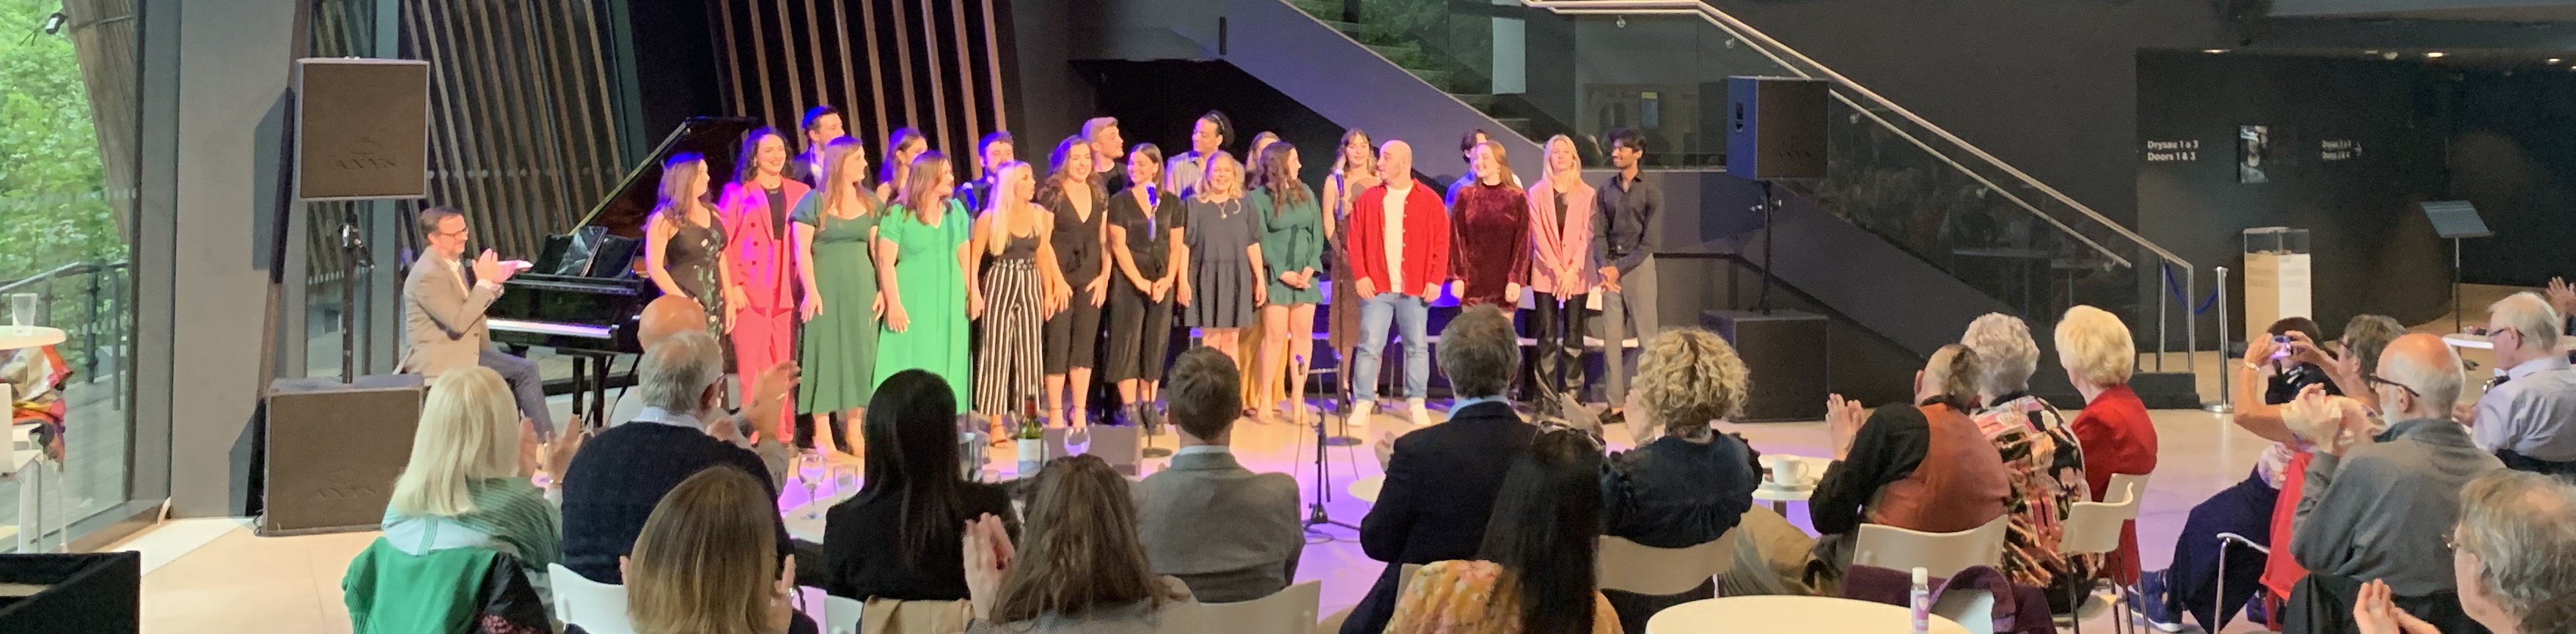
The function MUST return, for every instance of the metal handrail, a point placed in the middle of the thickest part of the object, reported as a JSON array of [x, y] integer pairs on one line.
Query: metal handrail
[[75, 268], [1769, 44]]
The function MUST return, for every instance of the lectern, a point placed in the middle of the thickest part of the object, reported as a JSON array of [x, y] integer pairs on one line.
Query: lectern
[[2455, 220]]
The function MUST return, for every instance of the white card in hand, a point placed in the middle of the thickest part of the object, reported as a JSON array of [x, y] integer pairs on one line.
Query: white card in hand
[[1592, 300]]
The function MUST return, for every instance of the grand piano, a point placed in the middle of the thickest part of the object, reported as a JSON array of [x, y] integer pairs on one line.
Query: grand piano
[[587, 291]]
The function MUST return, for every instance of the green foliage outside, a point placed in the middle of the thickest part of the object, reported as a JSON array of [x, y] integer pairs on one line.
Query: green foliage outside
[[54, 206]]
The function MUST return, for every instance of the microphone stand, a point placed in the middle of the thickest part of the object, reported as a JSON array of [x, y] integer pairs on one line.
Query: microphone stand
[[353, 256], [1315, 514]]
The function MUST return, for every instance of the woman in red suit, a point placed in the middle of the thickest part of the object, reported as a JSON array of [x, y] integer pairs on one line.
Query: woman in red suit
[[2114, 430], [755, 207]]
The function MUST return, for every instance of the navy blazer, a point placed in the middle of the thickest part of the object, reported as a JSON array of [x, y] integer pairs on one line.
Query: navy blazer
[[1440, 487]]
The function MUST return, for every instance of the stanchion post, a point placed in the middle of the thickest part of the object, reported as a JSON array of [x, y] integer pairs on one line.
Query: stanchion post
[[2226, 396]]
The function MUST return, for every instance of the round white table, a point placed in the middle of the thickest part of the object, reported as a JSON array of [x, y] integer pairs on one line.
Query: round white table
[[1789, 614], [1780, 497], [1366, 489], [15, 337]]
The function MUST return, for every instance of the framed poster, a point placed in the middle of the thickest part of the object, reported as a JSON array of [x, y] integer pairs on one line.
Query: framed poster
[[2252, 143]]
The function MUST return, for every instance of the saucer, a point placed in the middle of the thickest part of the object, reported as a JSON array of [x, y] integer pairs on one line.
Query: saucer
[[1768, 485]]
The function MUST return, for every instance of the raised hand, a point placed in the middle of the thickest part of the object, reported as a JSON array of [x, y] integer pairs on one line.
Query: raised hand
[[488, 268]]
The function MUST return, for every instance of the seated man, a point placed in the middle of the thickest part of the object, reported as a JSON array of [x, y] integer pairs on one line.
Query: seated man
[[1228, 533], [1924, 467], [622, 473], [443, 315], [2526, 420], [1441, 480], [2380, 506], [667, 315]]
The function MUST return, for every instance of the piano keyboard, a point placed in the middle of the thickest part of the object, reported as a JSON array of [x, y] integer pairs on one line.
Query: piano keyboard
[[549, 328]]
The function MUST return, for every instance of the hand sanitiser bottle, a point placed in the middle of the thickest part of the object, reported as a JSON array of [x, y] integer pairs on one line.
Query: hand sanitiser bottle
[[1921, 600]]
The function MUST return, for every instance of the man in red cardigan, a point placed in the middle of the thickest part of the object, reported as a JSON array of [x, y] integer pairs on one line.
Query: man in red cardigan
[[1400, 255]]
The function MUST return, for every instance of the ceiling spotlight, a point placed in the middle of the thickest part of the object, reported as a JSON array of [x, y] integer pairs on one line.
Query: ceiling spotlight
[[2213, 51], [2388, 55], [2553, 60], [2435, 54]]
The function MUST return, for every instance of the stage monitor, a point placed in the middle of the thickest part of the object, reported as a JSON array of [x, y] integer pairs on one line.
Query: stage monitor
[[361, 129]]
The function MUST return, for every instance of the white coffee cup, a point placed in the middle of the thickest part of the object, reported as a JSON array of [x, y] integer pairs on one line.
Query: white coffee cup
[[1786, 471]]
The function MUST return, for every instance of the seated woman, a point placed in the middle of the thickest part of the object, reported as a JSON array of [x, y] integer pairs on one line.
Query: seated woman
[[2041, 457], [1923, 467], [898, 538], [1083, 569], [466, 483], [707, 561], [1534, 572], [2117, 435], [1690, 485]]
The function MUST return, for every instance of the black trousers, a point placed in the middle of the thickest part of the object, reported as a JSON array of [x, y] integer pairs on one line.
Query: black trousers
[[1073, 336], [1558, 328], [1140, 334]]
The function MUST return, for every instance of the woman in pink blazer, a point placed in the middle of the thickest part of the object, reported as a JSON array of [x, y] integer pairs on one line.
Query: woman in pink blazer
[[762, 257], [1561, 271]]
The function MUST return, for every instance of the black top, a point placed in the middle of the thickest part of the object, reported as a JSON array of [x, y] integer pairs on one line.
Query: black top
[[860, 540], [1886, 449], [1018, 247], [622, 473], [1149, 238], [1077, 240], [1440, 487], [1674, 493], [976, 194], [1621, 217], [778, 208], [2284, 386]]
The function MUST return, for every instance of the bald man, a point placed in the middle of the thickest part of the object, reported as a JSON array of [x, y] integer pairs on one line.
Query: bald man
[[666, 316], [2378, 506], [1400, 252]]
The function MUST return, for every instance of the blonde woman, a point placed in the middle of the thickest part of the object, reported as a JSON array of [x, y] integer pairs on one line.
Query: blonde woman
[[1561, 275], [1685, 484], [1224, 264], [684, 243], [467, 480], [1020, 287], [924, 247], [2114, 430], [707, 561], [833, 228]]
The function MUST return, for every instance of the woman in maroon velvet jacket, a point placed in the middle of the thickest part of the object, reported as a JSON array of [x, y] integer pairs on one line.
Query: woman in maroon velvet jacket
[[2117, 435], [1490, 235]]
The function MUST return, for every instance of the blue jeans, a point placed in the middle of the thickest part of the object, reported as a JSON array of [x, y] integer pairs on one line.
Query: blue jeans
[[1414, 317]]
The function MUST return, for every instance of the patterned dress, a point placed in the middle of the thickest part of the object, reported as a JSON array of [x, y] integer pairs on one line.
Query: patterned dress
[[2045, 469], [1457, 597], [690, 258]]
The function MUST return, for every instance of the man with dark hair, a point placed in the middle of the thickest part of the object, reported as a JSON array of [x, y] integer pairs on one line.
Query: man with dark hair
[[990, 154], [1623, 239], [1228, 533], [1441, 480], [822, 125], [443, 315]]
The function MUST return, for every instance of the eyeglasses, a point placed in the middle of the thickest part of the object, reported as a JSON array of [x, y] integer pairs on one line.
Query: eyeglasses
[[2374, 379]]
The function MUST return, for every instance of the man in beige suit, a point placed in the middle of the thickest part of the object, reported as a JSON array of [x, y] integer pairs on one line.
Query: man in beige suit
[[443, 315]]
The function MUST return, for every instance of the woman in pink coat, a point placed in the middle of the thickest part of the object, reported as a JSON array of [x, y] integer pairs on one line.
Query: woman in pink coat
[[762, 257], [1561, 271]]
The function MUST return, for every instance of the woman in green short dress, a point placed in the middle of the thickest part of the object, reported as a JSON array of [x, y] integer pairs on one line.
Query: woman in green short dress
[[1292, 251], [835, 225], [921, 267]]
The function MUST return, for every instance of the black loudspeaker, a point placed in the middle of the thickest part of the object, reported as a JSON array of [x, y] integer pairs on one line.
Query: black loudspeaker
[[332, 451], [361, 128], [99, 593], [1785, 350], [1775, 127]]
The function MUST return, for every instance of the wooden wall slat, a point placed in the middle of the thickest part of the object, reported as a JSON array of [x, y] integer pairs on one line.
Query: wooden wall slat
[[928, 64]]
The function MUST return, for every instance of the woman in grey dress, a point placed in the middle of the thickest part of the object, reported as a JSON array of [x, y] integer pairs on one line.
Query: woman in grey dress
[[1224, 242]]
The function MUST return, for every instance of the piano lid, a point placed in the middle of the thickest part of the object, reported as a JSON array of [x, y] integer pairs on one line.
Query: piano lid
[[624, 211]]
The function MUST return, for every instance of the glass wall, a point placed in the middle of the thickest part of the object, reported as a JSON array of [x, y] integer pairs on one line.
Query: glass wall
[[68, 127]]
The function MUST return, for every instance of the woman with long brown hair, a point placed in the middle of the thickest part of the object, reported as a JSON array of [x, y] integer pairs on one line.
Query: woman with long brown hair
[[755, 208], [923, 249], [1354, 171], [1079, 233], [1081, 567], [1146, 223], [907, 144], [707, 561], [684, 242], [833, 230], [1292, 247]]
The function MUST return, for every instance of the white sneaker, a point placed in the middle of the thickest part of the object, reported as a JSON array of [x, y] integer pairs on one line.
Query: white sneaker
[[1421, 414], [1361, 409]]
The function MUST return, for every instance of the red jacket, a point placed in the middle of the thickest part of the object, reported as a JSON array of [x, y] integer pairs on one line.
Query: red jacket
[[1426, 239], [2117, 437]]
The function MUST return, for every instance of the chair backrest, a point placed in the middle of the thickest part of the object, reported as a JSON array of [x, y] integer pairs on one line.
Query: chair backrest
[[1632, 567], [1291, 610], [1972, 609], [1941, 554], [2129, 489], [2092, 528], [599, 608], [1404, 576], [841, 614]]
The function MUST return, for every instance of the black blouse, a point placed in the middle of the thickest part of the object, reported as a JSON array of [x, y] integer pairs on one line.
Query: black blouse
[[1149, 239], [1078, 249], [867, 559]]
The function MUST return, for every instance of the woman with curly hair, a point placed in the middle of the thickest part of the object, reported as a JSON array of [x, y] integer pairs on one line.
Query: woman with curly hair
[[1684, 484]]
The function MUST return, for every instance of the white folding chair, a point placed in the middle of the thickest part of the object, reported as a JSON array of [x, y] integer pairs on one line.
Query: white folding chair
[[1291, 610], [1939, 554], [2093, 528], [599, 608], [841, 614], [2225, 542], [1632, 567]]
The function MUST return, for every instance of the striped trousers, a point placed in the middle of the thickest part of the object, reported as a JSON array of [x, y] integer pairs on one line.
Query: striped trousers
[[1014, 334]]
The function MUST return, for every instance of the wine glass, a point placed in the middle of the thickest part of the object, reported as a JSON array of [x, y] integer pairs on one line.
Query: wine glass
[[810, 468]]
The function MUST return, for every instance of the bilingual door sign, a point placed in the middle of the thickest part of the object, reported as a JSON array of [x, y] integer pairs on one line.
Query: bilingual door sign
[[2173, 151]]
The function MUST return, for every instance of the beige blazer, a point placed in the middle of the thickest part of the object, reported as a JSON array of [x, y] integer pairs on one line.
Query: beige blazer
[[442, 318]]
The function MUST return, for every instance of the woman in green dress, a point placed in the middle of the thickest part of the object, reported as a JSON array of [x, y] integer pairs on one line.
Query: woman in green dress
[[834, 227], [1292, 247], [922, 252]]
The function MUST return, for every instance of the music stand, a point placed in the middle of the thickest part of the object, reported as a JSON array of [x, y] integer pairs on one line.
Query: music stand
[[2455, 220]]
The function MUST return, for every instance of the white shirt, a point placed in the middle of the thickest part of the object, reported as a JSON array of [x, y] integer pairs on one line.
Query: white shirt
[[667, 417], [1394, 225], [1200, 449]]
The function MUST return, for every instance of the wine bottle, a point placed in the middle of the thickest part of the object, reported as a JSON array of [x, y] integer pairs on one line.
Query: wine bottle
[[1032, 438]]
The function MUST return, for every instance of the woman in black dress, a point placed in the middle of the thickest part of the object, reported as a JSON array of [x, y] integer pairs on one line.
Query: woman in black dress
[[1080, 237], [684, 244], [1145, 227]]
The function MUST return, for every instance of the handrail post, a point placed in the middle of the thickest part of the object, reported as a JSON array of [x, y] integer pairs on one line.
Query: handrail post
[[2226, 397], [2161, 318], [89, 329], [2191, 323]]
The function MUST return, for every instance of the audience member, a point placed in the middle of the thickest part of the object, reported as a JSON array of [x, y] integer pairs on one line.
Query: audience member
[[1919, 467], [1083, 570], [1441, 480], [665, 316], [1690, 485], [2117, 435], [2273, 373], [466, 484], [2529, 420], [1535, 570], [703, 563], [611, 488], [2042, 461], [2377, 507], [1229, 533], [2516, 537], [898, 538]]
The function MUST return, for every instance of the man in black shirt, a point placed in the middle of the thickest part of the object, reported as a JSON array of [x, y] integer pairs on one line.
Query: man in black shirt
[[1108, 151], [1623, 236]]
